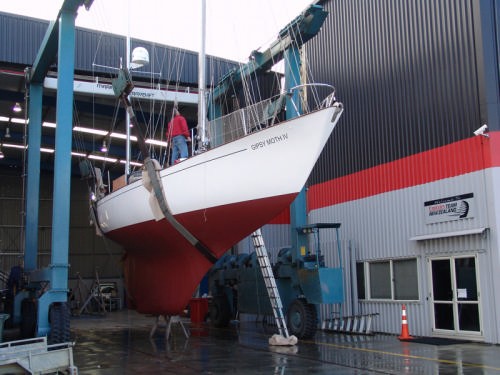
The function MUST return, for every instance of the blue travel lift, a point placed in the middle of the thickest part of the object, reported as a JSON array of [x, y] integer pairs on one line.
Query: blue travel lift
[[40, 308], [235, 281], [237, 285]]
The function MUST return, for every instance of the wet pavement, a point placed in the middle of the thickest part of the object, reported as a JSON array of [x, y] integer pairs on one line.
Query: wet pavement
[[119, 343]]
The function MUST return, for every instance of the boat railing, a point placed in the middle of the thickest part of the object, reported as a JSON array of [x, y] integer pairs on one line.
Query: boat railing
[[269, 112]]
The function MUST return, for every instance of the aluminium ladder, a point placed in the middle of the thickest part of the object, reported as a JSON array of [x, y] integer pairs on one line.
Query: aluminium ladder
[[272, 289]]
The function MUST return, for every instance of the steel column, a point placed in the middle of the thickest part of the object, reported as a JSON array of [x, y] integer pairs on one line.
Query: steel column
[[298, 208], [63, 142], [292, 79], [58, 269], [33, 182]]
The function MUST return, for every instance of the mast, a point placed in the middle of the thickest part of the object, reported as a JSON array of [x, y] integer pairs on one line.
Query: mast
[[202, 81], [127, 116]]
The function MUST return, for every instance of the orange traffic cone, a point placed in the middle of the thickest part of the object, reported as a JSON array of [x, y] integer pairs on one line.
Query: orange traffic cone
[[405, 335]]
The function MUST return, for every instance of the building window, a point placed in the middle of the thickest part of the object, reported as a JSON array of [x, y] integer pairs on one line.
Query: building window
[[388, 280], [405, 279], [380, 280], [360, 278]]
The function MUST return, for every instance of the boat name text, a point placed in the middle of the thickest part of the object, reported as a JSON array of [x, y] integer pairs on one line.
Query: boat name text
[[269, 141]]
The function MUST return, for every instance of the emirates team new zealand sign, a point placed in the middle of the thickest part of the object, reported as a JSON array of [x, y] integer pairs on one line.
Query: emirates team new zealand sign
[[450, 208]]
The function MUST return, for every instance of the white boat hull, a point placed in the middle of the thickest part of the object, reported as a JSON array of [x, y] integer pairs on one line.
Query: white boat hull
[[219, 196]]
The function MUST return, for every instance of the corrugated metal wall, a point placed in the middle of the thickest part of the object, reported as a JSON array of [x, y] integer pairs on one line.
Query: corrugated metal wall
[[87, 252], [412, 77], [21, 37], [381, 228], [275, 236], [407, 73]]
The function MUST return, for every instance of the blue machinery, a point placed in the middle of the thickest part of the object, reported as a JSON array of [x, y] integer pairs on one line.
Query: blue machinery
[[301, 276], [303, 281], [48, 287]]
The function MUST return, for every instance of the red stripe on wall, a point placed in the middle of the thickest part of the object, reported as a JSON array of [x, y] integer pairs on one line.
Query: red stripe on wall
[[455, 159], [469, 155]]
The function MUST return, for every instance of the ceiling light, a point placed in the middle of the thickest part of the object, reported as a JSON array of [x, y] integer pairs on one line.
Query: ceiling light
[[49, 124], [118, 135], [47, 150], [97, 157], [13, 145], [90, 130], [17, 108], [156, 143], [17, 120], [74, 153], [134, 163], [104, 147], [7, 133], [123, 136], [5, 119], [1, 154]]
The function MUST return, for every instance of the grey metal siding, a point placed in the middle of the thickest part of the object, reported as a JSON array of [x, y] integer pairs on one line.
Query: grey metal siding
[[414, 76], [104, 49], [20, 39], [488, 14], [408, 75], [381, 228], [87, 252]]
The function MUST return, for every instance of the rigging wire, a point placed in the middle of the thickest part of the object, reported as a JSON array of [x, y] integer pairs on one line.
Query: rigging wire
[[106, 73]]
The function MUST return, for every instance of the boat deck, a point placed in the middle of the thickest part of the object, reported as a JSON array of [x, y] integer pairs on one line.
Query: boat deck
[[119, 343]]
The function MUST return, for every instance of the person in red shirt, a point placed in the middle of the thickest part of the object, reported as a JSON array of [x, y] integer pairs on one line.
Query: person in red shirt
[[178, 134]]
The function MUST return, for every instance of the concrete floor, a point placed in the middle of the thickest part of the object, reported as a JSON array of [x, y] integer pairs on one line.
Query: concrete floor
[[119, 343]]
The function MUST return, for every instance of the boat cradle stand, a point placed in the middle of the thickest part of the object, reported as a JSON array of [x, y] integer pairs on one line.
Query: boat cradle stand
[[169, 320]]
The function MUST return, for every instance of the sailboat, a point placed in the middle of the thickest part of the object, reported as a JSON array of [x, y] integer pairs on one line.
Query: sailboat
[[175, 222]]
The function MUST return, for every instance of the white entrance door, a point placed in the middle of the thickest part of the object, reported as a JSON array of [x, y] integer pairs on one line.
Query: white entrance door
[[455, 295]]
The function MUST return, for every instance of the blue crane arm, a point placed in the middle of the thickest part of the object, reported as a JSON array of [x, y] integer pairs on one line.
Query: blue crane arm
[[48, 49], [303, 28]]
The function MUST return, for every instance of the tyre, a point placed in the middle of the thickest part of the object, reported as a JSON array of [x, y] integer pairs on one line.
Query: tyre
[[302, 319], [220, 312], [28, 318], [59, 317]]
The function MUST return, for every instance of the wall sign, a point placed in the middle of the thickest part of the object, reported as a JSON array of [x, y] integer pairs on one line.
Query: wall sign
[[451, 208]]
